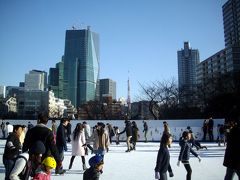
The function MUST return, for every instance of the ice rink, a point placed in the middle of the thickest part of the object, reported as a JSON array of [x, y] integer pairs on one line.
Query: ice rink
[[139, 164]]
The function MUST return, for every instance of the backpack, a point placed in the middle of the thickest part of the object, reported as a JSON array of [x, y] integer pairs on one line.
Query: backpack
[[25, 173]]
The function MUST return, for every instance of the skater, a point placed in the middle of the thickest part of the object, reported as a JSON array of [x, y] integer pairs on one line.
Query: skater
[[185, 153], [210, 129], [44, 171], [78, 148], [116, 132], [95, 170], [87, 133], [232, 155], [128, 130], [134, 135], [205, 129], [145, 130], [195, 143], [163, 158]]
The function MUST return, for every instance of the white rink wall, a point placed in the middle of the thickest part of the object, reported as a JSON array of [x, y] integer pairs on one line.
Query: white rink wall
[[155, 127]]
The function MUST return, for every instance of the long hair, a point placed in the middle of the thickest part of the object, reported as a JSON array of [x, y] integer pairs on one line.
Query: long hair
[[165, 138], [78, 129]]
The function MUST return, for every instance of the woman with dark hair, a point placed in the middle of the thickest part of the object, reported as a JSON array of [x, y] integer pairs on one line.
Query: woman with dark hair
[[78, 141], [185, 153], [163, 158]]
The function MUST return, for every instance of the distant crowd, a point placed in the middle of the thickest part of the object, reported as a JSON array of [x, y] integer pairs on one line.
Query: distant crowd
[[31, 152]]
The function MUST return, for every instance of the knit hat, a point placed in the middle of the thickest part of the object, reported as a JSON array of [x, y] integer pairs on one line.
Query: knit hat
[[95, 160], [37, 148]]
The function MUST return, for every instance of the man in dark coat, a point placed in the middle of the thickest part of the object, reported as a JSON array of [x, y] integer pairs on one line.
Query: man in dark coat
[[232, 152], [41, 132], [128, 130]]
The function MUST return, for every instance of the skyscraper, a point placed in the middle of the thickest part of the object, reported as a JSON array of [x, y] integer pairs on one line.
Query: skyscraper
[[81, 65], [107, 87], [231, 23], [187, 61]]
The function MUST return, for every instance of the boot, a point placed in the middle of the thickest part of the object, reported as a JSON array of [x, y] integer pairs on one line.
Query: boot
[[84, 166]]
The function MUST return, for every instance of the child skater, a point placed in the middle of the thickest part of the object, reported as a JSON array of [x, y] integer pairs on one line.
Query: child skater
[[44, 172], [185, 153], [163, 158], [95, 170]]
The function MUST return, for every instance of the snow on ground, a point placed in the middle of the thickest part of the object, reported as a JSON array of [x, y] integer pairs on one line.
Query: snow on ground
[[140, 164]]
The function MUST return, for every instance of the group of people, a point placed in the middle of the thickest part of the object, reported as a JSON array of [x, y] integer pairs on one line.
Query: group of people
[[42, 148], [186, 142]]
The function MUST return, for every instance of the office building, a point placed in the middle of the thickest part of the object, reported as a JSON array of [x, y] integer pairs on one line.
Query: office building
[[36, 80], [107, 88], [81, 66]]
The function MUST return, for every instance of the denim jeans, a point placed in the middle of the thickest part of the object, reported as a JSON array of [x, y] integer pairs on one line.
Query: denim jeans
[[8, 163]]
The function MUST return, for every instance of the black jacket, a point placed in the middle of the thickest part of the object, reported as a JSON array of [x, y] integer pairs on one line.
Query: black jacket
[[61, 136], [127, 129], [163, 161], [43, 133], [185, 150], [232, 152], [13, 146], [91, 174]]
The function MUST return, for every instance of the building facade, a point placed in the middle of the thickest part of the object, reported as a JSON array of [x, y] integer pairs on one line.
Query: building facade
[[231, 23], [188, 59], [107, 87], [81, 66], [36, 80]]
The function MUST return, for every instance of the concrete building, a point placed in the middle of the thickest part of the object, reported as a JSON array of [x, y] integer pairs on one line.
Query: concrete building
[[188, 59], [36, 80], [2, 92], [231, 23]]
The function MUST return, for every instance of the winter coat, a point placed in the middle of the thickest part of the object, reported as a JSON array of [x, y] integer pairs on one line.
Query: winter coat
[[232, 152], [77, 145], [99, 142], [13, 147], [163, 160], [91, 174], [61, 136], [134, 134], [127, 129], [185, 151], [19, 166], [43, 133], [41, 175]]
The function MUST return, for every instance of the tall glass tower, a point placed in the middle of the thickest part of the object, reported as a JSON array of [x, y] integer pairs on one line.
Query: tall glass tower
[[81, 65]]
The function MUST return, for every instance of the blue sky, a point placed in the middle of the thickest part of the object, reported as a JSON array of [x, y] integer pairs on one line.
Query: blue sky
[[138, 36]]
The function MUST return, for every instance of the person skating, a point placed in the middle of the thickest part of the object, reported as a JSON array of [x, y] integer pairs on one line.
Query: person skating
[[184, 154], [134, 135], [42, 133], [232, 152], [128, 130], [78, 148], [163, 158], [12, 149], [95, 170]]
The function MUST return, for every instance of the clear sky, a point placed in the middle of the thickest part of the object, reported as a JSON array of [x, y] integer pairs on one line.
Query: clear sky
[[139, 36]]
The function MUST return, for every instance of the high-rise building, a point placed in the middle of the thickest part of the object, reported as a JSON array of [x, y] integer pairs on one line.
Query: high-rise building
[[81, 66], [187, 62], [107, 88], [2, 92], [36, 80], [55, 80], [231, 23]]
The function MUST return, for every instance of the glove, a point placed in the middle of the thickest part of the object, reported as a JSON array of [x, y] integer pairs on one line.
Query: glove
[[157, 175], [171, 174], [199, 159], [178, 163]]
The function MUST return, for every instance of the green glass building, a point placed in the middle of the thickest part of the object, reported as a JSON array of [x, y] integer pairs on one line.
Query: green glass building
[[81, 66]]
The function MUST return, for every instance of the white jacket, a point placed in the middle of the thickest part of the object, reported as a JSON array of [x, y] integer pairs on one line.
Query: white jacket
[[19, 166]]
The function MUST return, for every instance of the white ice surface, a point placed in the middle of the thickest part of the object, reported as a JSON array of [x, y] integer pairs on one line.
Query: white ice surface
[[139, 164]]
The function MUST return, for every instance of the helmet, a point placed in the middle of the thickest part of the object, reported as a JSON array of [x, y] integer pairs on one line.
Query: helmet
[[37, 148], [50, 162], [95, 160]]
